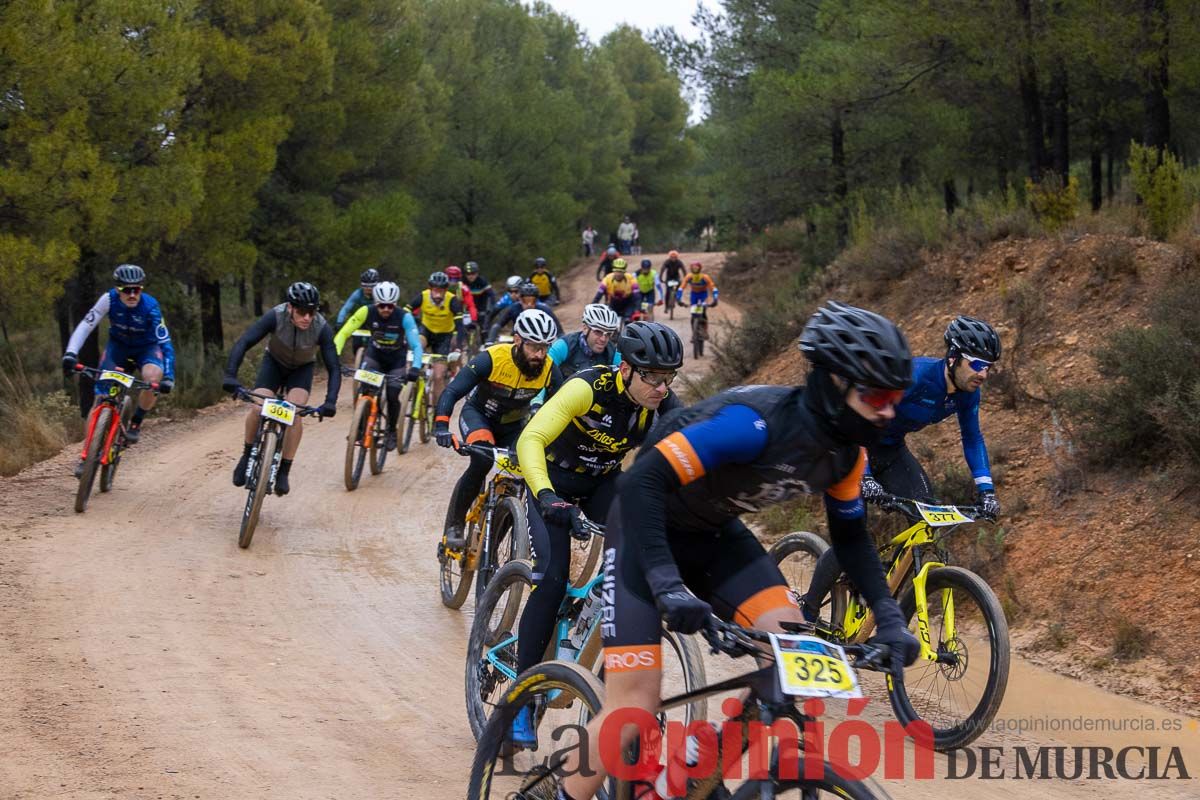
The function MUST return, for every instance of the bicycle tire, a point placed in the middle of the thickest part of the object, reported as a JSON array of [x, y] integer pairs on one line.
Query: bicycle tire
[[356, 454], [108, 472], [509, 522], [454, 587], [697, 344], [378, 455], [481, 680], [91, 461], [962, 734], [831, 785], [541, 679], [595, 550], [426, 430], [806, 544], [258, 488], [414, 411], [406, 395]]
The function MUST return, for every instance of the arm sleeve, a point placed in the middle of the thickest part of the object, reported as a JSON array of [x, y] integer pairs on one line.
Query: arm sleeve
[[88, 324], [349, 326], [974, 447], [163, 337], [476, 370], [603, 290], [329, 355], [502, 318], [355, 297], [572, 401], [456, 309], [414, 305], [469, 301], [253, 335], [558, 351], [414, 339], [852, 543]]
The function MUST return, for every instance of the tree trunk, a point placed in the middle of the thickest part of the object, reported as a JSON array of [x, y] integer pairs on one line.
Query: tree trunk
[[242, 293], [950, 196], [840, 186], [258, 290], [1156, 117], [1097, 178], [908, 170], [1031, 101], [211, 331], [1110, 155], [82, 291], [1060, 137]]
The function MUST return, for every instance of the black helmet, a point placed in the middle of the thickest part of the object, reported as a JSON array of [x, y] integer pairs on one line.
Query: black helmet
[[471, 268], [439, 279], [973, 337], [129, 275], [370, 277], [650, 345], [302, 294], [539, 262], [646, 263], [859, 345], [528, 289]]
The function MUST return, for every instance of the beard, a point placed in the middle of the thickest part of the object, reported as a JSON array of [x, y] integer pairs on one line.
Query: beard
[[530, 368]]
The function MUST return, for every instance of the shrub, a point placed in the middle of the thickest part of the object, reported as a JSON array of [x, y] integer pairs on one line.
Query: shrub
[[1158, 180], [1130, 641], [32, 426], [886, 256], [1052, 202]]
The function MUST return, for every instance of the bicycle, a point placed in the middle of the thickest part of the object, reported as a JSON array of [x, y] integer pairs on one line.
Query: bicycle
[[669, 300], [804, 664], [950, 603], [495, 523], [492, 645], [420, 406], [105, 442], [277, 416], [368, 424], [699, 328], [360, 339]]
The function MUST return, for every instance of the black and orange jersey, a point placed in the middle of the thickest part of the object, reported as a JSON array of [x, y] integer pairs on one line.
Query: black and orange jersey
[[496, 387]]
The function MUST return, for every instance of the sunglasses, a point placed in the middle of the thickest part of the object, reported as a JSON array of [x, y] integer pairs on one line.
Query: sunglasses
[[132, 290], [304, 312], [976, 364], [386, 306], [534, 347], [879, 399], [656, 379]]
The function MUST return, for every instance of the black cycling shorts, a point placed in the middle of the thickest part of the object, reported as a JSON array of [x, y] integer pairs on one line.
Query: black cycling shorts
[[276, 377], [440, 343], [475, 427], [727, 568]]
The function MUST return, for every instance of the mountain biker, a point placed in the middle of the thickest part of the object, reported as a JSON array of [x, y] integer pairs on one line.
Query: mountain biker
[[297, 332], [441, 317], [672, 269], [136, 335], [546, 283], [590, 346], [499, 384], [676, 547], [618, 290], [647, 287], [701, 289], [940, 387], [570, 454], [470, 312], [480, 289], [512, 294], [358, 299], [393, 334], [527, 295], [605, 267]]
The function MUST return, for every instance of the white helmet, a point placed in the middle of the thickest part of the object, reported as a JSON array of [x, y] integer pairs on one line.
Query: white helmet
[[514, 282], [386, 292], [535, 325], [601, 317]]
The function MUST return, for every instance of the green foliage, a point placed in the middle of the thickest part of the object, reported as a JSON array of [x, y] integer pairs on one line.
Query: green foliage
[[1158, 180], [1053, 203]]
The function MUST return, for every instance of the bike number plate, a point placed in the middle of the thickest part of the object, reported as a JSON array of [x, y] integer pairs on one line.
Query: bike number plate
[[940, 516], [506, 464], [120, 377], [369, 377], [812, 667], [279, 410], [697, 309]]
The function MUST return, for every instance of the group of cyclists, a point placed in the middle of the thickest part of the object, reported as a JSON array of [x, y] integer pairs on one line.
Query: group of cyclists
[[575, 405]]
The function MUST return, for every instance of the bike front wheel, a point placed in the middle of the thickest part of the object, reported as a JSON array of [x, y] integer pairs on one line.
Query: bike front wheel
[[406, 404], [356, 451], [258, 487], [91, 461], [510, 541], [426, 414], [379, 436], [492, 645]]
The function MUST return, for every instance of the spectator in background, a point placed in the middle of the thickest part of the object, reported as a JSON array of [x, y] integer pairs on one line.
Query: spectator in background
[[625, 233], [589, 241], [637, 246]]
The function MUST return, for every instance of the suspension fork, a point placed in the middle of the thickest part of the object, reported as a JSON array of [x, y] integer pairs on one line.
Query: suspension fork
[[93, 418], [111, 435]]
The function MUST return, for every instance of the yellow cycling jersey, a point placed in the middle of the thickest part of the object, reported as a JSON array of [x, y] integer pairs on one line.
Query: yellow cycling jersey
[[618, 285], [437, 317], [542, 281]]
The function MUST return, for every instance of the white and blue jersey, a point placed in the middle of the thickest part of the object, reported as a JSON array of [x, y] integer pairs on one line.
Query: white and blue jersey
[[135, 334]]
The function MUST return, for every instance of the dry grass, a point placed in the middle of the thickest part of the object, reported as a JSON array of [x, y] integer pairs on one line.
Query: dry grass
[[32, 426]]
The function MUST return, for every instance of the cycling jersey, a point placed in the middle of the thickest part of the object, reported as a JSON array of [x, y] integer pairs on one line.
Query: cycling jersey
[[545, 283], [508, 315], [289, 347], [357, 299], [645, 282], [443, 317], [387, 335], [137, 332], [698, 286], [615, 286], [572, 354], [496, 388], [672, 270], [926, 402], [482, 293], [587, 427], [470, 313]]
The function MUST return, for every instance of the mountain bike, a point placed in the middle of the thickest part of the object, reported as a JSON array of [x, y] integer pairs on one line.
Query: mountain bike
[[699, 328], [496, 529], [958, 620], [368, 425], [107, 423], [565, 696], [669, 300], [492, 645], [263, 465]]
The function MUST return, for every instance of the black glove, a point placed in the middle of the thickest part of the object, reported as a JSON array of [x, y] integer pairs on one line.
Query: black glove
[[684, 612], [413, 375], [557, 511], [329, 409], [991, 506], [443, 436], [69, 361], [166, 385], [891, 631], [230, 385], [870, 488]]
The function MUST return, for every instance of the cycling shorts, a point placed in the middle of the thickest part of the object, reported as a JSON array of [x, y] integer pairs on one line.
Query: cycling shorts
[[440, 343], [276, 377], [117, 355], [727, 568], [475, 428]]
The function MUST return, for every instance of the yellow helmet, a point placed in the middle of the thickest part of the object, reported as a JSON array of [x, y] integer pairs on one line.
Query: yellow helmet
[[619, 265]]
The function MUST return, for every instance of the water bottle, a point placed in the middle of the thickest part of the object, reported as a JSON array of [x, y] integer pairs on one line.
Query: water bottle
[[687, 756], [591, 607]]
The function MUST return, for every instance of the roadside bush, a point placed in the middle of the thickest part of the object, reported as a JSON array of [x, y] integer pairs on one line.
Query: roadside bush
[[1053, 202], [1158, 180], [32, 426], [887, 255], [761, 334]]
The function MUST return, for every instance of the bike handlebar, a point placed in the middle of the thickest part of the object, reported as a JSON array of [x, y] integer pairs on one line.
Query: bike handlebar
[[94, 373], [248, 396], [907, 506], [736, 641], [390, 379]]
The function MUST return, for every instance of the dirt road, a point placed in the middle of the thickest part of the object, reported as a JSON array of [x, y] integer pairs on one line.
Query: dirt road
[[143, 655]]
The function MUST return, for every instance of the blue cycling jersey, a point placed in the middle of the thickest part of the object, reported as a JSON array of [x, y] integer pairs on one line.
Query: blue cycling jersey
[[927, 402], [134, 329], [356, 300]]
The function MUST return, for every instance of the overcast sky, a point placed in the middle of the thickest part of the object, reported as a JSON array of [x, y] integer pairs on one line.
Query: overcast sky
[[598, 18]]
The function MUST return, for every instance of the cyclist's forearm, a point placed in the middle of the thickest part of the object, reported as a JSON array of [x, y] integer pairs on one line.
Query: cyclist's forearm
[[329, 355], [643, 489], [88, 324], [352, 324], [855, 551], [253, 335], [414, 339], [466, 380]]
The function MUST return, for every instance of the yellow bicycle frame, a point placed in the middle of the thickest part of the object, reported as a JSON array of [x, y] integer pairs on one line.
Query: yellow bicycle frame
[[506, 470]]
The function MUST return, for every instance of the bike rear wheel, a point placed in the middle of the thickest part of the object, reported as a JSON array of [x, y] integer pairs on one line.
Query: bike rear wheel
[[796, 555], [258, 487], [406, 404], [356, 451], [697, 342], [91, 462], [510, 541], [379, 436], [426, 414]]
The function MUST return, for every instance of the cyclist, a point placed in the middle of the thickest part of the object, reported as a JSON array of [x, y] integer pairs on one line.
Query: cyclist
[[512, 294], [592, 345], [358, 299], [441, 324], [527, 298], [672, 269], [571, 453], [605, 267], [480, 290], [393, 335], [499, 385], [297, 332], [619, 291], [470, 314], [675, 545], [702, 290], [136, 335], [546, 283], [940, 387], [647, 288]]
